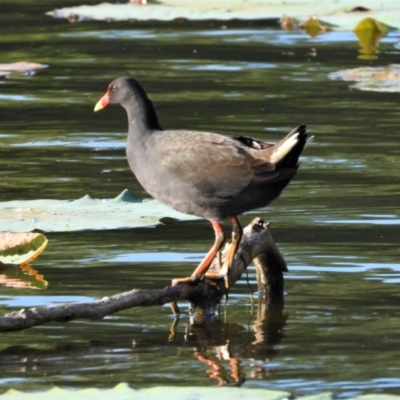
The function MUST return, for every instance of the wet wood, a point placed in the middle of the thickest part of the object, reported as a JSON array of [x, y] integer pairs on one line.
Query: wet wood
[[257, 244]]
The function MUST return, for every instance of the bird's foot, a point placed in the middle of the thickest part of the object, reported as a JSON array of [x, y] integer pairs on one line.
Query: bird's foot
[[191, 280], [222, 274]]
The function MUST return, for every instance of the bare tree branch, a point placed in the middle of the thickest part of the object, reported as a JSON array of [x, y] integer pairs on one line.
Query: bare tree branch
[[257, 243]]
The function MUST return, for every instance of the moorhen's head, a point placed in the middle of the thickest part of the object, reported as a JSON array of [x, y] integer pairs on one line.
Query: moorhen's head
[[130, 95], [121, 91]]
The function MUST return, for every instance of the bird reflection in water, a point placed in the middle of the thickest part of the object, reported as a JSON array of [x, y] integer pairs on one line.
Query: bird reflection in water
[[220, 346]]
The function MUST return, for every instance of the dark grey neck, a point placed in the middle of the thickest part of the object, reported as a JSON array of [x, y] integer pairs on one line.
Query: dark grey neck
[[141, 113]]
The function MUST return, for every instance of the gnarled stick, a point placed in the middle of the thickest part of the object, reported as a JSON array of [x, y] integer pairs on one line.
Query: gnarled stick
[[257, 240]]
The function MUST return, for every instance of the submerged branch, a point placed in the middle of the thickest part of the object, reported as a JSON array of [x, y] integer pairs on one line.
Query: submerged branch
[[257, 244]]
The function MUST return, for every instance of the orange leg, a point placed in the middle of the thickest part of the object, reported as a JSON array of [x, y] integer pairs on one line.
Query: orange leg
[[237, 234], [203, 267]]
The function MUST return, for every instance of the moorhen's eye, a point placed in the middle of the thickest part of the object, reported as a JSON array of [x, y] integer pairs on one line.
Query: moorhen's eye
[[113, 88]]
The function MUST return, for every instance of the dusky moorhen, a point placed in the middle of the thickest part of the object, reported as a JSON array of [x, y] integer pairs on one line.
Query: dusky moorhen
[[201, 173]]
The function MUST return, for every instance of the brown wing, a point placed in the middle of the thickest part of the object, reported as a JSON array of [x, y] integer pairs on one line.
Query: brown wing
[[215, 165]]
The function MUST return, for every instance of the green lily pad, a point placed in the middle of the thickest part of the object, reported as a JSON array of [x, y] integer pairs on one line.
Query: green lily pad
[[124, 392], [337, 14], [122, 212]]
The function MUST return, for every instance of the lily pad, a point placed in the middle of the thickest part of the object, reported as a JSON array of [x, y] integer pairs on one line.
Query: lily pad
[[20, 68], [313, 27], [20, 248], [338, 14], [369, 32], [377, 79], [124, 392], [122, 212]]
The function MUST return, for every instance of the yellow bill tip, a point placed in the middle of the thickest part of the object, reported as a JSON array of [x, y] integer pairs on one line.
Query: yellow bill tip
[[98, 107], [103, 102]]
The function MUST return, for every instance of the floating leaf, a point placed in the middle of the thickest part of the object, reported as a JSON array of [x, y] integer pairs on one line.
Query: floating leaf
[[123, 392], [20, 68], [369, 32], [20, 248], [333, 13], [377, 79], [122, 212], [313, 27]]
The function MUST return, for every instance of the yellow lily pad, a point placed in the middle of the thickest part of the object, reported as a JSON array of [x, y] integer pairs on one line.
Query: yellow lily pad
[[369, 31], [20, 248], [313, 27]]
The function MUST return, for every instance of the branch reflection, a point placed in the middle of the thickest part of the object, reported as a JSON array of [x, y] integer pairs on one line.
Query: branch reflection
[[228, 353]]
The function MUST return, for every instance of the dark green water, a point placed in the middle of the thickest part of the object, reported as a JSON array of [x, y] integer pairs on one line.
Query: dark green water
[[337, 224]]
